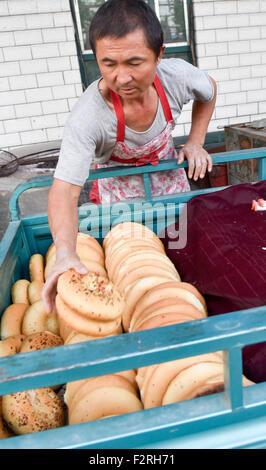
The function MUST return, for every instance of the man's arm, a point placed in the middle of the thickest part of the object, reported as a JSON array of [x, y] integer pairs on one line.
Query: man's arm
[[198, 159], [63, 221]]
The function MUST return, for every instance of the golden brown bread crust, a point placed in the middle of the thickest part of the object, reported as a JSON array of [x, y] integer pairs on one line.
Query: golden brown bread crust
[[187, 286], [93, 266], [132, 244], [144, 264], [11, 321], [74, 321], [85, 252], [65, 330], [128, 230], [81, 238], [34, 291], [200, 376], [180, 311], [11, 345], [158, 377], [4, 431], [36, 267], [75, 337], [37, 319], [103, 402], [40, 340], [91, 295], [133, 258], [76, 390], [169, 290], [134, 292], [91, 241], [19, 292], [120, 251], [161, 320], [89, 251], [139, 314], [144, 271], [33, 411]]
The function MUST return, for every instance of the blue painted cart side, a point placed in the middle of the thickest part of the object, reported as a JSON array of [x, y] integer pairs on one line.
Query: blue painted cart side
[[235, 418]]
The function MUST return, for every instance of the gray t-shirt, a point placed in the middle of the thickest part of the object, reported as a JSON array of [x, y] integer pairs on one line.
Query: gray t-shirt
[[90, 131]]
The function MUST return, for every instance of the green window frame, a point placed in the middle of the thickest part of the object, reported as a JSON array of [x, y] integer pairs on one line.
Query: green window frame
[[183, 48]]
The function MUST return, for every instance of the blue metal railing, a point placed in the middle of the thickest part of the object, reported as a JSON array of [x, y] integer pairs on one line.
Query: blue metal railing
[[146, 170], [228, 332]]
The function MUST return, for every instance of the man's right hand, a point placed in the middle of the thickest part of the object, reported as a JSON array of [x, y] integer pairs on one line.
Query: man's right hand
[[62, 264]]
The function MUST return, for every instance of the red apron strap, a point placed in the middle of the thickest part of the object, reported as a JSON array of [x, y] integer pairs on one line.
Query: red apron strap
[[163, 99], [120, 133], [118, 107]]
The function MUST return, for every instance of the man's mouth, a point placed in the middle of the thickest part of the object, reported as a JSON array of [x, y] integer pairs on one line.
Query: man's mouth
[[126, 90]]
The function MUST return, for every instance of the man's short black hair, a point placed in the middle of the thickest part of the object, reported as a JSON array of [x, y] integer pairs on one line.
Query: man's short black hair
[[117, 18]]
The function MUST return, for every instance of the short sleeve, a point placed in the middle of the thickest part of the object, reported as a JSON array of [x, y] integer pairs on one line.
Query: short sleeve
[[197, 84], [76, 154]]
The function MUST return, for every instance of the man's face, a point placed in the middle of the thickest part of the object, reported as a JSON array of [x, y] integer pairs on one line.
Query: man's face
[[127, 64]]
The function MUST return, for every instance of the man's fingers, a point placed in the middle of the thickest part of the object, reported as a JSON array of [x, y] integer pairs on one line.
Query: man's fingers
[[47, 299], [198, 167], [191, 167], [81, 269], [49, 288], [181, 157], [49, 291], [203, 169], [209, 162]]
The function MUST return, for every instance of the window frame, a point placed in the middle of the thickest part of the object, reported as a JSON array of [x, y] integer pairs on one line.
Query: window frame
[[85, 55]]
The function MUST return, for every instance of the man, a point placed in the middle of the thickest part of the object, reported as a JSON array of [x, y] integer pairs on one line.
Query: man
[[126, 117]]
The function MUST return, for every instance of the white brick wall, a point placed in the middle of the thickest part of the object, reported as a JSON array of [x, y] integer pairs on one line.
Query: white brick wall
[[40, 79], [39, 72], [230, 37]]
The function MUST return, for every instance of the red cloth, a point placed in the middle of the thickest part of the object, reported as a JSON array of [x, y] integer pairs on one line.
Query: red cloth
[[225, 257]]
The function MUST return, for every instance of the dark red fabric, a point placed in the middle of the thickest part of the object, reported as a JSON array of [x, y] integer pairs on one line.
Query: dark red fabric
[[225, 257]]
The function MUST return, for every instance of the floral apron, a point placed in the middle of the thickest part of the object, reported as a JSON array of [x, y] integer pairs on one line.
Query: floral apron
[[114, 189]]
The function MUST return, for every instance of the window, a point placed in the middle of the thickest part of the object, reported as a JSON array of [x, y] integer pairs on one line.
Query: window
[[175, 19]]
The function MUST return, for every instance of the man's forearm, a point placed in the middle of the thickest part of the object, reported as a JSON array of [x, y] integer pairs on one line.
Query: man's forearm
[[63, 222], [63, 216]]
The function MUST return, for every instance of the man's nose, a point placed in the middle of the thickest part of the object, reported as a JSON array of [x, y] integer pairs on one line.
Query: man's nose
[[123, 76]]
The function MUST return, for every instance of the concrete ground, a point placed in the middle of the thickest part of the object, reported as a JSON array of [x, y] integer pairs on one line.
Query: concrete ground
[[31, 201], [28, 202]]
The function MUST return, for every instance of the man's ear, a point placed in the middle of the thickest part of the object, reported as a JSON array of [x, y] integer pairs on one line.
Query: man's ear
[[161, 54]]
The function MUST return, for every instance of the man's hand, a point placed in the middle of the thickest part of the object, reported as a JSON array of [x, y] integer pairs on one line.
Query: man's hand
[[62, 264], [198, 160]]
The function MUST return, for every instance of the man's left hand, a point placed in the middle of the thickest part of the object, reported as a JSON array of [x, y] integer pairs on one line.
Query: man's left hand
[[198, 160]]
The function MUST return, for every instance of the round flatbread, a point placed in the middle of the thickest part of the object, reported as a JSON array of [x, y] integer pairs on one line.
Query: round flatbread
[[84, 324], [91, 295]]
